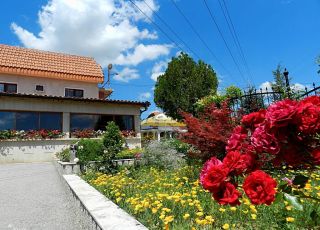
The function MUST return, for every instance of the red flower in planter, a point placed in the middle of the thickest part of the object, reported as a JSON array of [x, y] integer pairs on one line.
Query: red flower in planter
[[281, 113], [260, 187], [227, 194]]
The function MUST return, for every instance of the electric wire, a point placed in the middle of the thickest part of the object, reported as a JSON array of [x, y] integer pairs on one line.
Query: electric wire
[[171, 30], [156, 25], [198, 35], [235, 37], [225, 42]]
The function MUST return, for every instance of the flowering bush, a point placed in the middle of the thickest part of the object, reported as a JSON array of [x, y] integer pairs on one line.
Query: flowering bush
[[83, 133], [210, 132], [128, 133], [31, 134], [283, 135]]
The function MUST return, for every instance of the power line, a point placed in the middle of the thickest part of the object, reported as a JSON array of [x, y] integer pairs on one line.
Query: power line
[[156, 25], [234, 35], [224, 40], [198, 35], [172, 31]]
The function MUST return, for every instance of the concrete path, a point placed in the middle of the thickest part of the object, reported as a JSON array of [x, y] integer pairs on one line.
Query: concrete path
[[33, 196]]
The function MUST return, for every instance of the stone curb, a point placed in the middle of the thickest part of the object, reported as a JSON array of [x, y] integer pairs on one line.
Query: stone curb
[[106, 214]]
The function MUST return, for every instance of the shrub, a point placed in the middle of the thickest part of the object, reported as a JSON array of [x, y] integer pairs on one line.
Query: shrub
[[112, 141], [90, 150], [129, 153], [162, 155], [210, 132], [64, 155], [179, 146]]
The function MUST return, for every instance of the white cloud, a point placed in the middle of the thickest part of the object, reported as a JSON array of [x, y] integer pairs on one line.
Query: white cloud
[[158, 69], [127, 75], [103, 29], [266, 86], [298, 87], [144, 96]]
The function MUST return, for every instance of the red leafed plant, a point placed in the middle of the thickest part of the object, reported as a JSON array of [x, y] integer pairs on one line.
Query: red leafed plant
[[283, 135], [210, 131]]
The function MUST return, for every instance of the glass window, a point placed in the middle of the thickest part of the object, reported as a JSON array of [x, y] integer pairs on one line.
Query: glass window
[[73, 92], [39, 88], [27, 121], [8, 88], [83, 121], [51, 121], [103, 121], [7, 120], [125, 122]]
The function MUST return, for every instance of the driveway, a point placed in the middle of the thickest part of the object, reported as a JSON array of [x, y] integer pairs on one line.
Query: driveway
[[32, 196]]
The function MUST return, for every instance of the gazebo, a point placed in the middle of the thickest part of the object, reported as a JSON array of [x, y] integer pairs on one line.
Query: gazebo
[[158, 125]]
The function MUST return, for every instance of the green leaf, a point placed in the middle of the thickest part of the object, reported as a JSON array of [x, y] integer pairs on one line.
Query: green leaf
[[293, 201], [300, 181], [315, 217]]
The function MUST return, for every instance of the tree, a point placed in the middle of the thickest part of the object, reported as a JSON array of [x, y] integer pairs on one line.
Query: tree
[[112, 141], [210, 131], [279, 84], [182, 84]]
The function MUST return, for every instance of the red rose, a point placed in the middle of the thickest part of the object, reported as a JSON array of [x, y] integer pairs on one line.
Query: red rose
[[308, 117], [264, 141], [260, 187], [213, 176], [238, 136], [316, 155], [252, 120], [315, 100], [281, 113], [237, 162], [227, 194]]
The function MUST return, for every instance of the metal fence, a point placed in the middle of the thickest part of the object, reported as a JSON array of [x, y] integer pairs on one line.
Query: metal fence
[[254, 100]]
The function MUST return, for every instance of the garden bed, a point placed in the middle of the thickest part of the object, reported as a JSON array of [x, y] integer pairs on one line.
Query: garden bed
[[173, 199]]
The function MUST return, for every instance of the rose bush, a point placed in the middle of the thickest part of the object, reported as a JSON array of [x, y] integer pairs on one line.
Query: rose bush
[[282, 135]]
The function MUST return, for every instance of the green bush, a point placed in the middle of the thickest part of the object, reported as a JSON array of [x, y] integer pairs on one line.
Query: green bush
[[64, 155], [112, 141], [162, 155], [90, 150], [129, 153], [179, 146]]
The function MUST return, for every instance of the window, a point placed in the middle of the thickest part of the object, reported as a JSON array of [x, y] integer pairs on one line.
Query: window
[[51, 121], [39, 88], [27, 121], [73, 92], [125, 122], [30, 120], [7, 120], [83, 121], [8, 87]]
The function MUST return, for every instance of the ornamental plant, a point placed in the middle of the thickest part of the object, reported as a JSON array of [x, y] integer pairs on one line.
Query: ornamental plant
[[283, 135], [210, 131]]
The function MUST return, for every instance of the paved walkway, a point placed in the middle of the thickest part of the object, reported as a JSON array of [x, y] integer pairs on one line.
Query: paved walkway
[[33, 196]]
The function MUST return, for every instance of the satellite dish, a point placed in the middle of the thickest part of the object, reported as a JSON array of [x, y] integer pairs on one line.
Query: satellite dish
[[109, 66]]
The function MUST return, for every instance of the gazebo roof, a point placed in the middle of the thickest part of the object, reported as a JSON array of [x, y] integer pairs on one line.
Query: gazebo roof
[[161, 120]]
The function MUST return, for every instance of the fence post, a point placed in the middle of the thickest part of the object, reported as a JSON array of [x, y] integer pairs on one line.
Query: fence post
[[286, 76]]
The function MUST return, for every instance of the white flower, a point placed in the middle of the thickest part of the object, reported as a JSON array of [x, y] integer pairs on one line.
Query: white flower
[[105, 151], [76, 160]]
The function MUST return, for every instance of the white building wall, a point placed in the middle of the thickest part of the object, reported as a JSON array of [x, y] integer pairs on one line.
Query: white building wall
[[53, 87]]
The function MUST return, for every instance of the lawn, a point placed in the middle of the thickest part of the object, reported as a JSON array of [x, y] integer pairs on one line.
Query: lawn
[[174, 199]]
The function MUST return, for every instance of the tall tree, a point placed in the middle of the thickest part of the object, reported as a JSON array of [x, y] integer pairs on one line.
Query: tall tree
[[183, 83], [279, 81]]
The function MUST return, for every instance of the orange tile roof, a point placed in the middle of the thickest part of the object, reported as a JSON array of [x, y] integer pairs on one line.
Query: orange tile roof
[[37, 63]]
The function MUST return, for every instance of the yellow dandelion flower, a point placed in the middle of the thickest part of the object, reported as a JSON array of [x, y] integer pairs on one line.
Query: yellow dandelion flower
[[253, 216], [233, 208], [289, 208], [290, 219], [118, 199], [226, 226], [199, 213], [186, 216], [168, 219], [209, 219], [154, 210], [222, 210]]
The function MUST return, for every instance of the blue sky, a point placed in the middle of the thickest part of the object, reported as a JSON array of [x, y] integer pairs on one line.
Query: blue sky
[[270, 32]]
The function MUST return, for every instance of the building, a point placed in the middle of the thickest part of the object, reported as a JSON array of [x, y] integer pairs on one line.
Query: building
[[159, 126], [42, 90]]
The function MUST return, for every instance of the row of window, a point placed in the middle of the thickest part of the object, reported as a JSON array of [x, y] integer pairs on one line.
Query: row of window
[[53, 121], [12, 88]]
